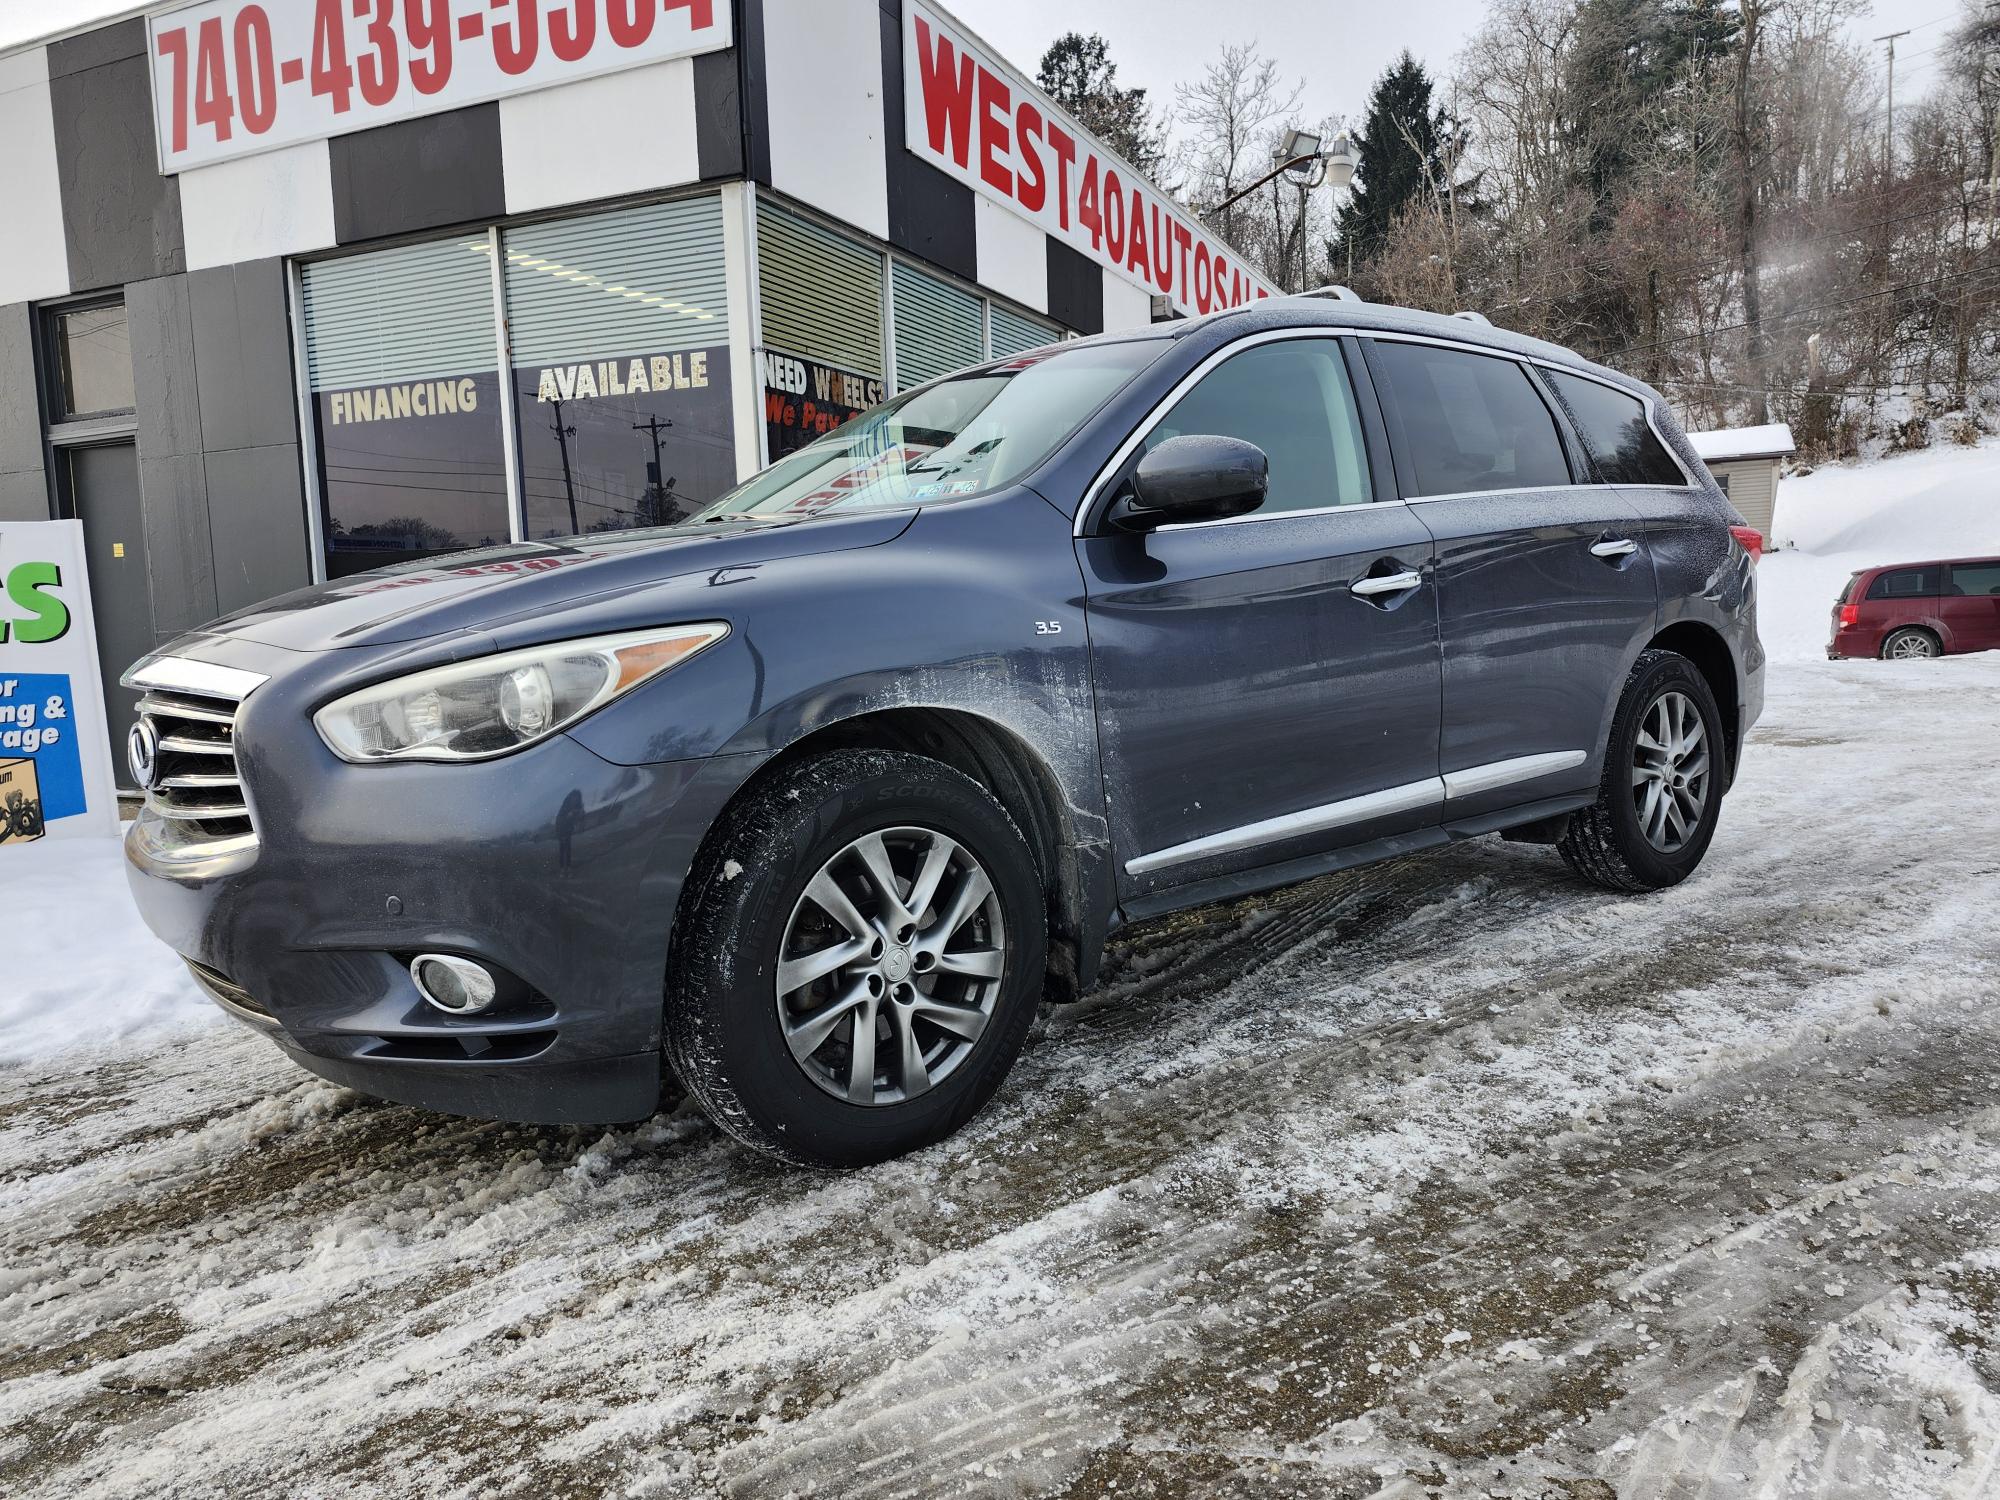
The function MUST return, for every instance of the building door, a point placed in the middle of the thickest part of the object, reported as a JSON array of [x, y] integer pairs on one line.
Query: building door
[[101, 489]]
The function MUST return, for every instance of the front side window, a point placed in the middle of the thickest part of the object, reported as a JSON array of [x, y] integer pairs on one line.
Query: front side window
[[1905, 583], [1975, 580], [1294, 401], [963, 436], [1615, 430], [93, 361], [1469, 422]]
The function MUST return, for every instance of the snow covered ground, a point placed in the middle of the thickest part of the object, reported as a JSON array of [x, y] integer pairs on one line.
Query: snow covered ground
[[1449, 1176], [83, 971]]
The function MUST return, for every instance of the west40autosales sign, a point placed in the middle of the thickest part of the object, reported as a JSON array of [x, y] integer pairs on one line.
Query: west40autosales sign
[[231, 77], [986, 126]]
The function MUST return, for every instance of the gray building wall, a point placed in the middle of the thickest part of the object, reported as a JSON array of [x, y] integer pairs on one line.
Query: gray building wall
[[24, 484], [217, 422]]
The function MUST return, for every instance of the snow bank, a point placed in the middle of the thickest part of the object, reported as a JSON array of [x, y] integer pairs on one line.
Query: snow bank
[[80, 967], [1943, 502]]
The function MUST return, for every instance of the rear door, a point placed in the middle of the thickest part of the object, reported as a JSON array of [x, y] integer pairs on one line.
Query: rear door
[[1969, 606], [1545, 586], [1267, 686]]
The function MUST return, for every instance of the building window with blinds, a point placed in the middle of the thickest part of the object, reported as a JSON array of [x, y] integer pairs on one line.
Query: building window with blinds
[[400, 352], [939, 328], [821, 302], [1014, 334], [620, 337]]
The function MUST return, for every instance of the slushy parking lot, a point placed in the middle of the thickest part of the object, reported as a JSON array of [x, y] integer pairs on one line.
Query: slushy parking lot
[[1446, 1175]]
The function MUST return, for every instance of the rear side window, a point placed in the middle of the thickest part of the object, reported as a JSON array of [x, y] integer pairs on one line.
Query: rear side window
[[1615, 430], [1293, 400], [1469, 422], [1975, 580], [1904, 583]]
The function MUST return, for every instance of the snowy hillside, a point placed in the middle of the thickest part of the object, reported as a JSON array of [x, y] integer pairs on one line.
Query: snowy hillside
[[1914, 507]]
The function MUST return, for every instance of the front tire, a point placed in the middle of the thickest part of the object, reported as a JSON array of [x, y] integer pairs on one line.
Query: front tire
[[1664, 776], [860, 955]]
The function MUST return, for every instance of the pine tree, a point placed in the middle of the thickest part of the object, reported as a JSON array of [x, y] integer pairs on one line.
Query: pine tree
[[1402, 147], [1078, 73]]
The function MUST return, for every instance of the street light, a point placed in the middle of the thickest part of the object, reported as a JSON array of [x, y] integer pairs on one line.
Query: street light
[[1306, 158]]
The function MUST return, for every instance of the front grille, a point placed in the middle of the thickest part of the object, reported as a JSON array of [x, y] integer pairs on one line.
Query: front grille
[[197, 786]]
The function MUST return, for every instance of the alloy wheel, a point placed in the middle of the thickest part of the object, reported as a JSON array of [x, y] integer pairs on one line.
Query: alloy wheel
[[1671, 772], [1911, 646], [890, 966]]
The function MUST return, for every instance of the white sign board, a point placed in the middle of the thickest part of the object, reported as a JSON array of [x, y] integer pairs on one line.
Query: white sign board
[[981, 122], [55, 754], [233, 77]]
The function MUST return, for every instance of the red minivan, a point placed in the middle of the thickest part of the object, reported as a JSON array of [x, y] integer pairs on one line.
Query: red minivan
[[1919, 609]]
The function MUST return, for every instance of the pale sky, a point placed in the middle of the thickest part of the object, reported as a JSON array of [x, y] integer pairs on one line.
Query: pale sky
[[1337, 46]]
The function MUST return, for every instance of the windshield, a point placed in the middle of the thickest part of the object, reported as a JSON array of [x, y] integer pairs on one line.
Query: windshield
[[962, 436]]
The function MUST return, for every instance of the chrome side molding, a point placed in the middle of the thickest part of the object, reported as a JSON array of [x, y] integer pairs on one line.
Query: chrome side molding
[[1434, 792]]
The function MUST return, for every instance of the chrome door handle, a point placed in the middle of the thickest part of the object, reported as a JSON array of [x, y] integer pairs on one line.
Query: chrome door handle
[[1620, 548], [1394, 583]]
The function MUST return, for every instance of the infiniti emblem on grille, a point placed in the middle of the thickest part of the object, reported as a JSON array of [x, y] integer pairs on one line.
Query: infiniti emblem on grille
[[142, 755]]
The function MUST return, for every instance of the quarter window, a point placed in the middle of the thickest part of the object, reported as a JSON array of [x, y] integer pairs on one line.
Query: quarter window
[[1905, 583], [1975, 580], [1470, 422], [1294, 401], [1615, 430]]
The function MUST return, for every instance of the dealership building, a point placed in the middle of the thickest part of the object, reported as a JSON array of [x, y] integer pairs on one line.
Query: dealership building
[[290, 289]]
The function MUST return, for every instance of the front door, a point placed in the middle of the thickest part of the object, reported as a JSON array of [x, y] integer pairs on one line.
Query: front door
[[1545, 588], [101, 489], [1252, 706], [1970, 605]]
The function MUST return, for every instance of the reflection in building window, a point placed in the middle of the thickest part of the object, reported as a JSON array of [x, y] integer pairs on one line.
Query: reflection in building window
[[620, 339], [400, 353]]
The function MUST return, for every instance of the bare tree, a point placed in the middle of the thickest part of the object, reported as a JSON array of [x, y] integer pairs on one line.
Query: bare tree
[[1225, 122]]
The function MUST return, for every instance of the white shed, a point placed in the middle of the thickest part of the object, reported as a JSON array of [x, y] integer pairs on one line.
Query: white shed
[[1744, 461]]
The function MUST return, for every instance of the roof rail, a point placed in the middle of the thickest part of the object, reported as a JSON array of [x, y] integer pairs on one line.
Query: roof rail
[[1335, 293], [1475, 317]]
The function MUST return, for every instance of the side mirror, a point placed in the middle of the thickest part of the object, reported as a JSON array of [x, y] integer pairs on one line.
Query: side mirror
[[1195, 478]]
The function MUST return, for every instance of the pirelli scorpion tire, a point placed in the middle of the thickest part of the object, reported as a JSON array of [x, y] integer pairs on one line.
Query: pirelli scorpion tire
[[860, 954], [1665, 771]]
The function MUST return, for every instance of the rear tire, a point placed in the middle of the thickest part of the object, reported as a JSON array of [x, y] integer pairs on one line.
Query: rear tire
[[1664, 775], [1911, 644], [793, 879]]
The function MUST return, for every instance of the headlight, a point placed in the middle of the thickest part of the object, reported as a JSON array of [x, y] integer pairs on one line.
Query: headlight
[[475, 710]]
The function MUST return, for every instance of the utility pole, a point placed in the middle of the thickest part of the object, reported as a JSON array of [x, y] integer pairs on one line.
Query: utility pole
[[656, 487], [563, 435], [1890, 155]]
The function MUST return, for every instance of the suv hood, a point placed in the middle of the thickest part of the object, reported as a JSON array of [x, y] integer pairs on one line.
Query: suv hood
[[485, 589]]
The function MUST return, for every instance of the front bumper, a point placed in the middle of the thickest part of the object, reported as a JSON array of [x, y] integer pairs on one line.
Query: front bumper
[[555, 866]]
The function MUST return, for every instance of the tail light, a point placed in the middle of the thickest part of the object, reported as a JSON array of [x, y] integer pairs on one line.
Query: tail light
[[1850, 614], [1752, 540]]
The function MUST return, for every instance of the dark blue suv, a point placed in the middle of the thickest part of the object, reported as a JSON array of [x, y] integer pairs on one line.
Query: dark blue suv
[[810, 800]]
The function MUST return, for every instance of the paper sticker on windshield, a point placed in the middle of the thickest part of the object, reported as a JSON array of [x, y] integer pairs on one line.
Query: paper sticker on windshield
[[956, 487]]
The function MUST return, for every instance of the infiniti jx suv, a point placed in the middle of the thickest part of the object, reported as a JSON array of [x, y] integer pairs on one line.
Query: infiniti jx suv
[[808, 802]]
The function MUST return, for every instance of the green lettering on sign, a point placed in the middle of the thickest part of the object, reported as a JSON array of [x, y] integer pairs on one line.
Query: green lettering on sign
[[48, 616]]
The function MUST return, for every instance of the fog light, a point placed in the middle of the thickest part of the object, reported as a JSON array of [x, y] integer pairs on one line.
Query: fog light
[[455, 985]]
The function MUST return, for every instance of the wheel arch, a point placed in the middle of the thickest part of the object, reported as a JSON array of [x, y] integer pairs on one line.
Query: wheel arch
[[1003, 762], [1708, 650]]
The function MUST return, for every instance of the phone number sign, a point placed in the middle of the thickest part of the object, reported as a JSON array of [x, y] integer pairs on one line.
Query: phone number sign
[[234, 77]]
